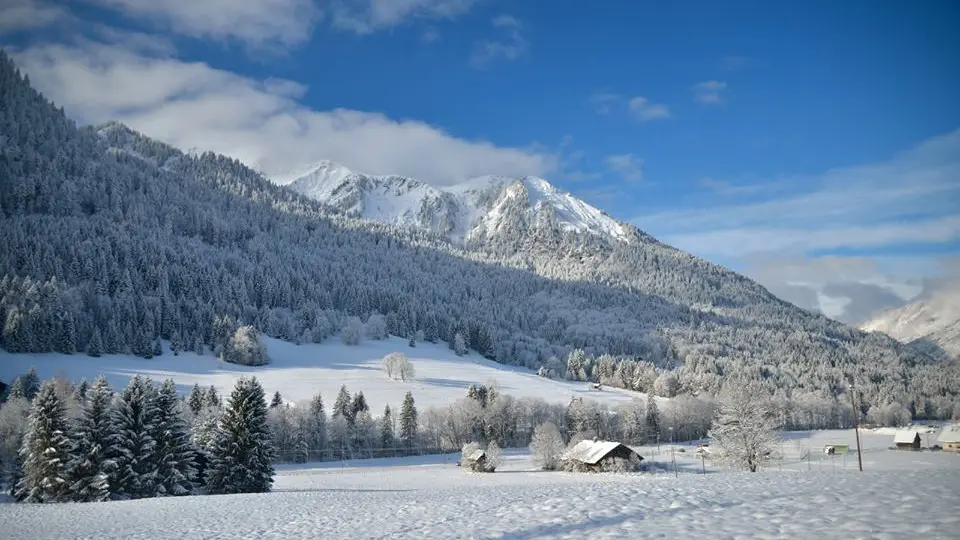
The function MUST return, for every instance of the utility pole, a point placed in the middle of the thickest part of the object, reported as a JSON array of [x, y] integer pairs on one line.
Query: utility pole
[[856, 430]]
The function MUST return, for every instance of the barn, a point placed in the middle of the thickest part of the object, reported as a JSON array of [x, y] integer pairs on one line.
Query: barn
[[949, 438], [600, 456], [907, 439], [476, 461]]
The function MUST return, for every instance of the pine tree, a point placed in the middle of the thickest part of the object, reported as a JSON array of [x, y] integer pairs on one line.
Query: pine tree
[[45, 451], [212, 397], [26, 386], [408, 423], [359, 404], [196, 401], [92, 437], [318, 427], [135, 420], [343, 406], [95, 346], [174, 455], [277, 400], [387, 438], [80, 391], [653, 418], [242, 454]]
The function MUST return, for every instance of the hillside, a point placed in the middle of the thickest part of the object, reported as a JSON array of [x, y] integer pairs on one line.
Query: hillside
[[301, 371], [111, 243], [931, 320]]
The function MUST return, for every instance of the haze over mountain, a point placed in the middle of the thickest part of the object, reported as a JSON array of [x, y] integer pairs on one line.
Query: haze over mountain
[[934, 319]]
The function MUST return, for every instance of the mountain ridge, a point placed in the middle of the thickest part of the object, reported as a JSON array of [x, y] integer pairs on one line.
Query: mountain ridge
[[467, 212]]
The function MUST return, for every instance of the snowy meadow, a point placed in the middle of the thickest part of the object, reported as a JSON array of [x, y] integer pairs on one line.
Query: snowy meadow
[[898, 494]]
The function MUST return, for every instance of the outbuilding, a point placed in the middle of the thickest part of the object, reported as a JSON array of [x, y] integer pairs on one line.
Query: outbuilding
[[476, 461], [907, 439], [949, 438], [601, 456]]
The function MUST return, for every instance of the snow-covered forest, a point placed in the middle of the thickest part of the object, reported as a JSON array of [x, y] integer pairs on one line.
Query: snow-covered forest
[[111, 242]]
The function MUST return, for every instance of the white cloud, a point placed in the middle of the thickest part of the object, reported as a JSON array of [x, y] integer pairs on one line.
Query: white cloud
[[509, 47], [367, 16], [709, 92], [192, 105], [604, 102], [27, 14], [258, 23], [733, 62], [784, 226], [645, 111], [627, 166]]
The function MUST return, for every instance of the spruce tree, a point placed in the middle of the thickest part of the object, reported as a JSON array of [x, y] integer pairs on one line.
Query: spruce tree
[[135, 420], [408, 423], [80, 391], [277, 400], [653, 418], [174, 454], [212, 397], [45, 451], [343, 406], [242, 453], [318, 427], [92, 436], [95, 346], [359, 404], [195, 401], [387, 438]]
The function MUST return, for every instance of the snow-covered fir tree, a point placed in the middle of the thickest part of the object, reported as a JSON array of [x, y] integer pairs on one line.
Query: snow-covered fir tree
[[408, 423], [173, 452], [242, 454], [277, 400], [318, 428], [195, 400], [343, 406], [46, 450], [135, 420], [388, 439], [93, 437]]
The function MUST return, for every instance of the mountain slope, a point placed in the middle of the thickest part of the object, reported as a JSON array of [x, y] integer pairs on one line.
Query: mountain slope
[[471, 212], [935, 320], [111, 242]]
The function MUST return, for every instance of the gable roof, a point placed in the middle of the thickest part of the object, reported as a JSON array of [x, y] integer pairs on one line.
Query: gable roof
[[476, 455], [905, 436], [949, 434], [591, 452]]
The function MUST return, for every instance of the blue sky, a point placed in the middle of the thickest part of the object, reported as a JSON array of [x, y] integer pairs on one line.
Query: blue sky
[[812, 145]]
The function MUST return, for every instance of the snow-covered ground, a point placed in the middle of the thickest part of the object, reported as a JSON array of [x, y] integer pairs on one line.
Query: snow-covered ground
[[900, 494], [299, 372]]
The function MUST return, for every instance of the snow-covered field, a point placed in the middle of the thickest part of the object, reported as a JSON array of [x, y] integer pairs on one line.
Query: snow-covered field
[[299, 372], [900, 494]]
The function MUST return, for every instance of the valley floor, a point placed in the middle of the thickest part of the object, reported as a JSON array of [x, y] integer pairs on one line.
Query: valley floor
[[900, 494]]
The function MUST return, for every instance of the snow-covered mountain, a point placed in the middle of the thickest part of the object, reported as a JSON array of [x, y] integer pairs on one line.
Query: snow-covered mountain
[[935, 319], [471, 211]]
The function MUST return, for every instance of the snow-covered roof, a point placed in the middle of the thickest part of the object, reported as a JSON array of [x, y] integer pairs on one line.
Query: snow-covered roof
[[476, 455], [905, 436], [949, 434], [591, 452]]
